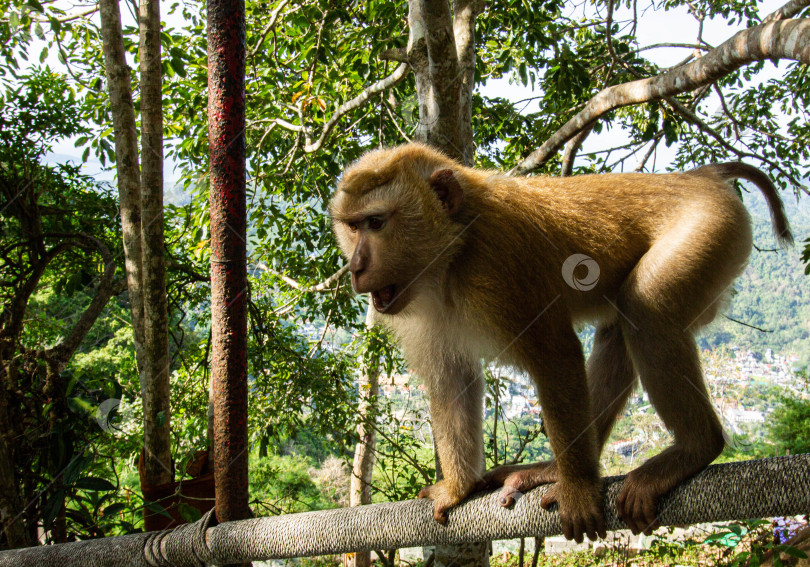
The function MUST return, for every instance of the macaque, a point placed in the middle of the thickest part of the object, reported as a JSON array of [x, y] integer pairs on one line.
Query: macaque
[[465, 265]]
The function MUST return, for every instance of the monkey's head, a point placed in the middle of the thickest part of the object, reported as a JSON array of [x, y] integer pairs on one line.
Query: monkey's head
[[395, 217]]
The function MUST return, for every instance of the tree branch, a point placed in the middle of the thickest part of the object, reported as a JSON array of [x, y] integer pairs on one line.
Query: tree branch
[[694, 46], [655, 141], [787, 11], [395, 54], [402, 133], [703, 127], [392, 80], [325, 285], [66, 17], [571, 149], [12, 316], [789, 39], [269, 27], [62, 352], [744, 324], [194, 275]]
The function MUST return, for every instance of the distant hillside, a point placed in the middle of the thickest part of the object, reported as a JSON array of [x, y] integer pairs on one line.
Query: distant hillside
[[773, 294]]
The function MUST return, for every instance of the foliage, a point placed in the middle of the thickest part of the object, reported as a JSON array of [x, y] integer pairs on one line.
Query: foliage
[[747, 543], [790, 425], [510, 440], [54, 223], [283, 485], [404, 453]]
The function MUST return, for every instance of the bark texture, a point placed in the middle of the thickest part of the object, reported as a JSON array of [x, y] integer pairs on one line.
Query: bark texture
[[126, 160], [142, 220], [226, 135], [464, 14], [156, 394], [441, 51]]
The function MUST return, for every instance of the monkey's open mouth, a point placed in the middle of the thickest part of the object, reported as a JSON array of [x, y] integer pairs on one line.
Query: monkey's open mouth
[[384, 297]]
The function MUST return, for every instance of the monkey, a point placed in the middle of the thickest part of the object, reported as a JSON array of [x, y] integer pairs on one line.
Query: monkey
[[465, 265]]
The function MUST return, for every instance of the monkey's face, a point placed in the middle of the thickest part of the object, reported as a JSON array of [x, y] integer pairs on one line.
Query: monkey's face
[[392, 219], [374, 240], [370, 246]]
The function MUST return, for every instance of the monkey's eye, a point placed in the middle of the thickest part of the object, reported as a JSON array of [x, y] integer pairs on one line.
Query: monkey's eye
[[376, 223], [352, 226]]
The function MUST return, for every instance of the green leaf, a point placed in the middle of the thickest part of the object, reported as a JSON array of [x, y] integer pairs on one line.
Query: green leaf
[[56, 25], [80, 405], [75, 467], [178, 67]]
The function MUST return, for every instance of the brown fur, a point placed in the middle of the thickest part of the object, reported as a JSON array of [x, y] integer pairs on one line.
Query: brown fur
[[476, 261]]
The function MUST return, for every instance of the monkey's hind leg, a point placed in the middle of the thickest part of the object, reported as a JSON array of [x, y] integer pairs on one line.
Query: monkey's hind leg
[[517, 479], [670, 289], [610, 381], [611, 378]]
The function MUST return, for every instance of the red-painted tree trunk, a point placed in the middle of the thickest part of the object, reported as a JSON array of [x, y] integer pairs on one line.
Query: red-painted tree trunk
[[226, 135]]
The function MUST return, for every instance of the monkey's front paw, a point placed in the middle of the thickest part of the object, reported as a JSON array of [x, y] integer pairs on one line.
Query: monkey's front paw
[[518, 479], [636, 504], [445, 495], [580, 509]]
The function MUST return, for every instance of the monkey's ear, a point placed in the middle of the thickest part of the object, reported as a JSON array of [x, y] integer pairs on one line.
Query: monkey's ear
[[447, 188]]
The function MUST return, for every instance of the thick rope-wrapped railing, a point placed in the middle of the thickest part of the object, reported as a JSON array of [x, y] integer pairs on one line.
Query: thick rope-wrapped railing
[[778, 486]]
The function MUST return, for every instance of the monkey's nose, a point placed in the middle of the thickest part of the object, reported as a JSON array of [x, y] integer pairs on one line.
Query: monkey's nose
[[357, 265]]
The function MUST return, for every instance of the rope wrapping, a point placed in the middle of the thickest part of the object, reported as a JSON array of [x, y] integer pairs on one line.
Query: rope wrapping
[[778, 486]]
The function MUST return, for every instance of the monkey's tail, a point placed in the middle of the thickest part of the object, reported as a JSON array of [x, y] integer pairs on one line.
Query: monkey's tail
[[740, 170]]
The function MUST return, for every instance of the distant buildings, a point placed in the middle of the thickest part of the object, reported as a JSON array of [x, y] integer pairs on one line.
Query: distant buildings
[[732, 380]]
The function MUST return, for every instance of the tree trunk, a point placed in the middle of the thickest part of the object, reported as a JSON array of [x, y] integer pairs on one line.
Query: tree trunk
[[363, 465], [156, 396], [126, 162], [142, 234], [226, 143]]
